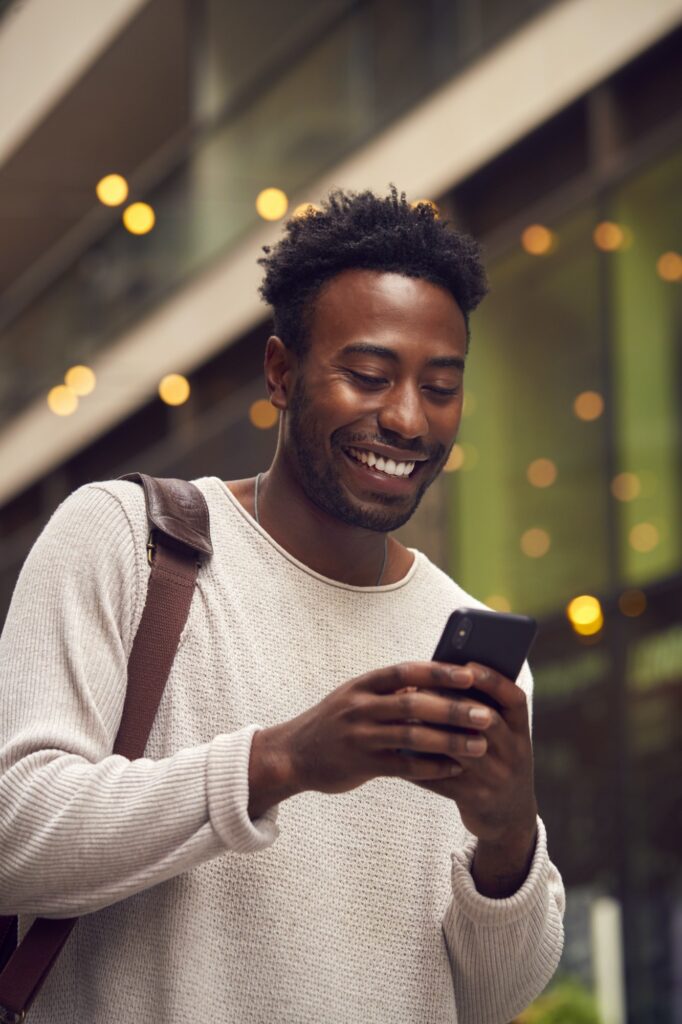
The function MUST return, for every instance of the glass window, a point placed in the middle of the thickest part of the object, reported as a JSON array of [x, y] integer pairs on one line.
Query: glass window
[[242, 43], [648, 372], [529, 503]]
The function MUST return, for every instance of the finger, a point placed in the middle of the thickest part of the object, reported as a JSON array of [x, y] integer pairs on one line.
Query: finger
[[455, 711], [431, 675], [426, 740], [507, 695], [421, 769]]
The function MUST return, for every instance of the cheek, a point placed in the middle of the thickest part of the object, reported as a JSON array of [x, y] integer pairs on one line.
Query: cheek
[[445, 423], [347, 405]]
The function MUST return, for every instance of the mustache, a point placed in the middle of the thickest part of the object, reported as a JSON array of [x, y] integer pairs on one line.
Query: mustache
[[409, 448]]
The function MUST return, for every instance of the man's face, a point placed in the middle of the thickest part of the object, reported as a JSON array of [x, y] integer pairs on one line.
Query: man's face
[[377, 399]]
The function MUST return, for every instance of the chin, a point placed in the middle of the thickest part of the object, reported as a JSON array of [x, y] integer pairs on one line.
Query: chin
[[384, 514]]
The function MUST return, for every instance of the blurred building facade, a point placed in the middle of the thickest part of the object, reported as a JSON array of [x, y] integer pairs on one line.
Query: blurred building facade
[[550, 130]]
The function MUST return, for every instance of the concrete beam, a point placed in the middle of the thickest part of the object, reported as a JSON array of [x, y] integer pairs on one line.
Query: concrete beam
[[527, 78], [45, 47]]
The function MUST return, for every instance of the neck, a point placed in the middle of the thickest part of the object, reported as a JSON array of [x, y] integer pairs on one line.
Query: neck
[[334, 549]]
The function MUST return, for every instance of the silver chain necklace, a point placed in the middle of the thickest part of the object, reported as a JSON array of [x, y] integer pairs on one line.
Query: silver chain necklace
[[256, 491]]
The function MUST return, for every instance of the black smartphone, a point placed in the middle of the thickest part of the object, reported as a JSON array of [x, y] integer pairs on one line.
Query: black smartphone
[[496, 639]]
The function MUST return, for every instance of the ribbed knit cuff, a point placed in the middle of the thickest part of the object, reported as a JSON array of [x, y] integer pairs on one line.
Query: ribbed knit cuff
[[228, 794], [485, 910]]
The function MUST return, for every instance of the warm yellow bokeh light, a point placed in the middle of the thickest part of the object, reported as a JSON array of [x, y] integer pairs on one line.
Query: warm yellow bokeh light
[[535, 542], [305, 210], [588, 405], [62, 401], [262, 414], [455, 459], [538, 240], [609, 236], [271, 203], [498, 602], [81, 380], [644, 537], [632, 602], [139, 218], [626, 486], [585, 615], [112, 190], [174, 389], [425, 202], [470, 453], [669, 267], [541, 473]]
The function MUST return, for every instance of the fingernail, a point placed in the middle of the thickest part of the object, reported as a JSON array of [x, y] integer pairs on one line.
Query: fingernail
[[475, 746], [463, 675], [479, 715]]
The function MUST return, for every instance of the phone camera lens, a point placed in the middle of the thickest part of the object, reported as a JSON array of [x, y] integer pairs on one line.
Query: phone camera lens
[[462, 633]]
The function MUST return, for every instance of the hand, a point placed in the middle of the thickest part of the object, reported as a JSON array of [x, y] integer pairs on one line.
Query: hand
[[495, 791], [359, 730]]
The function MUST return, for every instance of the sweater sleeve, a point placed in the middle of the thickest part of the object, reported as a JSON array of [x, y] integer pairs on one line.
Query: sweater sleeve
[[503, 952], [82, 828]]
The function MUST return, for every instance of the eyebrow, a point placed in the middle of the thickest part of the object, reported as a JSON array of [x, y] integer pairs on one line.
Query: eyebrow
[[364, 348]]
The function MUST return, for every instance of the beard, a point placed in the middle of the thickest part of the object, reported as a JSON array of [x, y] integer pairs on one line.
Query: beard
[[319, 476]]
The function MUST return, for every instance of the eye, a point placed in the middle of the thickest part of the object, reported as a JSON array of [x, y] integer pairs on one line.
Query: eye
[[367, 381], [442, 392]]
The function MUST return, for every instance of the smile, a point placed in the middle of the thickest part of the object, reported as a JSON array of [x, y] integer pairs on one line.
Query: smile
[[377, 462]]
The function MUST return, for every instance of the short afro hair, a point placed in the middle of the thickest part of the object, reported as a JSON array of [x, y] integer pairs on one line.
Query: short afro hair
[[363, 231]]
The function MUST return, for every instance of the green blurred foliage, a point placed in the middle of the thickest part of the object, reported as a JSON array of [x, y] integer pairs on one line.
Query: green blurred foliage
[[568, 1001]]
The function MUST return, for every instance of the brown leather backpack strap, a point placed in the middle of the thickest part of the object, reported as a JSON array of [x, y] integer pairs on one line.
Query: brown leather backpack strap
[[7, 937], [178, 513], [179, 535], [178, 509], [30, 964]]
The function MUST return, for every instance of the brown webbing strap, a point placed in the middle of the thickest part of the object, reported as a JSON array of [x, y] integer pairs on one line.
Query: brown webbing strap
[[30, 964], [169, 595], [8, 938]]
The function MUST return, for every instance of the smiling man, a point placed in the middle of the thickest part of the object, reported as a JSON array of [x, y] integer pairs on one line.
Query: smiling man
[[326, 826]]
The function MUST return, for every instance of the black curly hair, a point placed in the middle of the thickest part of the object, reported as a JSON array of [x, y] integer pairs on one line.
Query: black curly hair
[[361, 230]]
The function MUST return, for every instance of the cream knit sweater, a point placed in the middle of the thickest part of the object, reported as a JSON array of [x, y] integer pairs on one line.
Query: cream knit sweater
[[350, 908]]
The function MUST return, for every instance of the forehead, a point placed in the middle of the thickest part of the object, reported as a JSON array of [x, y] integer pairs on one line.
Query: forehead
[[386, 307]]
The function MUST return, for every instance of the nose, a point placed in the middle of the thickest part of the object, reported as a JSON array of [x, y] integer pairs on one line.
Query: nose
[[402, 413]]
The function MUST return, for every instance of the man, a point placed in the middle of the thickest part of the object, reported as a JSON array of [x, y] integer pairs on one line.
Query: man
[[284, 853]]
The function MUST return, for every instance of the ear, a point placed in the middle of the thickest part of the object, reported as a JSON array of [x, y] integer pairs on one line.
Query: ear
[[279, 364]]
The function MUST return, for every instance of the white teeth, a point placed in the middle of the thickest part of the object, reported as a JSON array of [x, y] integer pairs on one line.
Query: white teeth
[[388, 466]]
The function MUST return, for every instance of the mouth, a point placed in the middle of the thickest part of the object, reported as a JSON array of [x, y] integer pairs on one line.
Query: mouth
[[389, 474], [391, 467]]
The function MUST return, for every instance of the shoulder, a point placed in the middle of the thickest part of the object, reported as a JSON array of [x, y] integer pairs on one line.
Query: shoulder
[[93, 550], [105, 516], [102, 497]]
